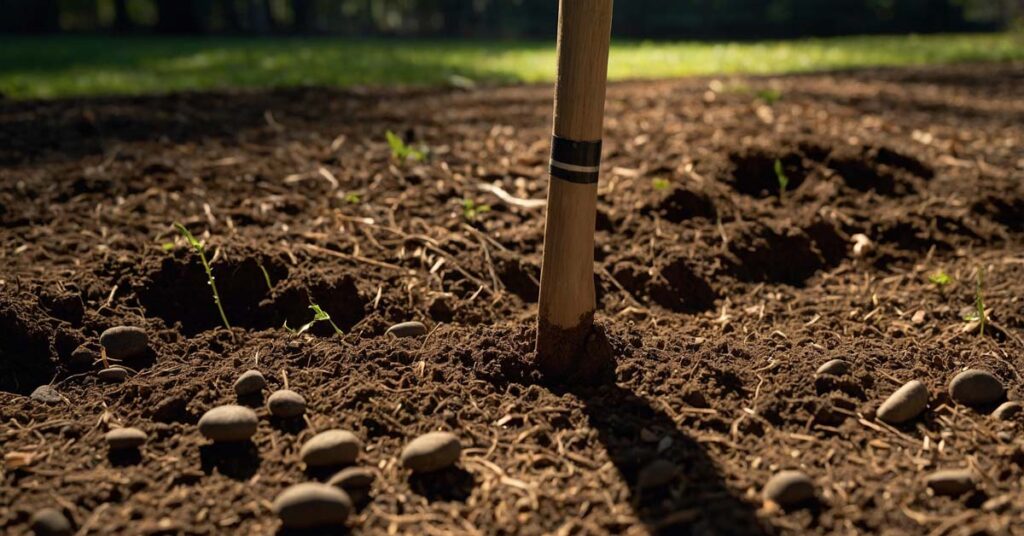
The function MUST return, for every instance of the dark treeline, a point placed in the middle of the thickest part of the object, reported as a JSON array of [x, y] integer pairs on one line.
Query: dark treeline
[[659, 19]]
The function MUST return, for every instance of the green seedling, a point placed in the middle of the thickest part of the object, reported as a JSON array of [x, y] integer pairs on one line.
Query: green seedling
[[660, 183], [198, 246], [470, 210], [401, 151], [780, 175], [979, 315], [167, 246], [940, 279], [319, 315], [769, 96], [352, 198], [266, 277]]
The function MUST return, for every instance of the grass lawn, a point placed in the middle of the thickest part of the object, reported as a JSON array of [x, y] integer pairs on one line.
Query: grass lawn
[[41, 67]]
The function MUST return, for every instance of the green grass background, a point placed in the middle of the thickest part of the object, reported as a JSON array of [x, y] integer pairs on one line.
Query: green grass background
[[61, 66]]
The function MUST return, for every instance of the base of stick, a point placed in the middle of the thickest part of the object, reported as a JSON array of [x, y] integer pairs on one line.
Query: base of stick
[[578, 355]]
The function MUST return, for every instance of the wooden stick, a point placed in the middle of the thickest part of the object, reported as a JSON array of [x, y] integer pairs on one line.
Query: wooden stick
[[567, 304]]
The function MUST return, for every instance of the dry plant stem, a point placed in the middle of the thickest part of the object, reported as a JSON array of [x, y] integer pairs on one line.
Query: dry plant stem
[[567, 303]]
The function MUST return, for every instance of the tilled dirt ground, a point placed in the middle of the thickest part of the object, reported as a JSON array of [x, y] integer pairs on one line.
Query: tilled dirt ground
[[720, 295]]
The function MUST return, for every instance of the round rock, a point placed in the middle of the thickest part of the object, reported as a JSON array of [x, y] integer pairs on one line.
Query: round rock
[[976, 388], [1008, 411], [286, 403], [113, 374], [431, 452], [951, 482], [50, 522], [229, 423], [124, 342], [408, 329], [333, 447], [905, 404], [312, 505], [125, 438], [46, 395], [250, 383], [353, 478], [656, 474], [834, 367], [788, 488]]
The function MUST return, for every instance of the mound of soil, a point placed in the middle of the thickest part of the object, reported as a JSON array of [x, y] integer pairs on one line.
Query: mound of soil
[[720, 293]]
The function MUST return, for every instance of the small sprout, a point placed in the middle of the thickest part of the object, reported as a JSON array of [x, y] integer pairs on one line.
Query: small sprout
[[198, 246], [940, 279], [782, 178], [979, 302], [319, 315], [769, 96], [470, 210], [402, 152], [660, 183], [167, 246], [266, 277], [352, 198]]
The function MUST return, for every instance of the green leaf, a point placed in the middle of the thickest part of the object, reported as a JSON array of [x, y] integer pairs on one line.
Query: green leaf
[[780, 175], [940, 278], [660, 183]]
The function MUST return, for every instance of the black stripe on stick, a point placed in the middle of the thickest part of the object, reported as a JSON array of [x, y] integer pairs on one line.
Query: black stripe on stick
[[577, 153], [579, 177]]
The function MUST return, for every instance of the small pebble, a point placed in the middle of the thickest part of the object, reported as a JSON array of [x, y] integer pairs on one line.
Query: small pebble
[[312, 505], [286, 403], [113, 374], [353, 478], [835, 367], [431, 452], [788, 488], [333, 447], [656, 474], [408, 329], [83, 356], [976, 388], [250, 383], [46, 395], [950, 481], [125, 438], [905, 404], [124, 342], [50, 522], [228, 423], [1008, 411]]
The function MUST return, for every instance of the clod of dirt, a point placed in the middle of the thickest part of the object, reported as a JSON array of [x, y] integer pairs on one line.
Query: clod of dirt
[[431, 452], [124, 342], [312, 505], [408, 329], [775, 252], [113, 374], [50, 522], [1008, 411], [230, 423], [656, 474], [905, 404], [286, 404], [976, 388], [46, 395], [681, 204], [835, 367], [125, 438], [333, 447], [250, 383], [788, 488], [83, 356], [353, 479], [952, 482]]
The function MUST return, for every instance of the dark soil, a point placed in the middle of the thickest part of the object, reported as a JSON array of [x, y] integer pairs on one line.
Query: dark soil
[[719, 294]]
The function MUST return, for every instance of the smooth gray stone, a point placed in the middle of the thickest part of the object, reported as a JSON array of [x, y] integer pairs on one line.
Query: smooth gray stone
[[950, 482], [904, 404], [431, 452], [125, 438], [312, 505], [113, 374], [976, 388], [50, 522], [250, 383], [225, 424], [834, 367], [788, 488], [46, 394], [408, 329], [286, 403], [353, 478], [333, 447], [1008, 411], [124, 342]]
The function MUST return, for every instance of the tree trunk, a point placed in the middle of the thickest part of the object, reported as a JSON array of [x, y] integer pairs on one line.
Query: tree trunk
[[122, 20]]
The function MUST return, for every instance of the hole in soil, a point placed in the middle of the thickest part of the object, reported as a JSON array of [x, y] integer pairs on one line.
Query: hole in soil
[[681, 204], [878, 169], [1005, 210], [337, 295], [26, 361], [519, 277], [829, 241], [754, 174], [679, 289], [786, 255]]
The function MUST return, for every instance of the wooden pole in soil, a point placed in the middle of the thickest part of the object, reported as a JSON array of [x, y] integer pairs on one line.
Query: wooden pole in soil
[[566, 311]]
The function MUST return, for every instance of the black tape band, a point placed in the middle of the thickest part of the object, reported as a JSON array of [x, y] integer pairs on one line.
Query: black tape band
[[575, 161]]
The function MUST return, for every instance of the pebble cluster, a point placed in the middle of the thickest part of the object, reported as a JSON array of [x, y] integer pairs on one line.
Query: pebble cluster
[[974, 388]]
